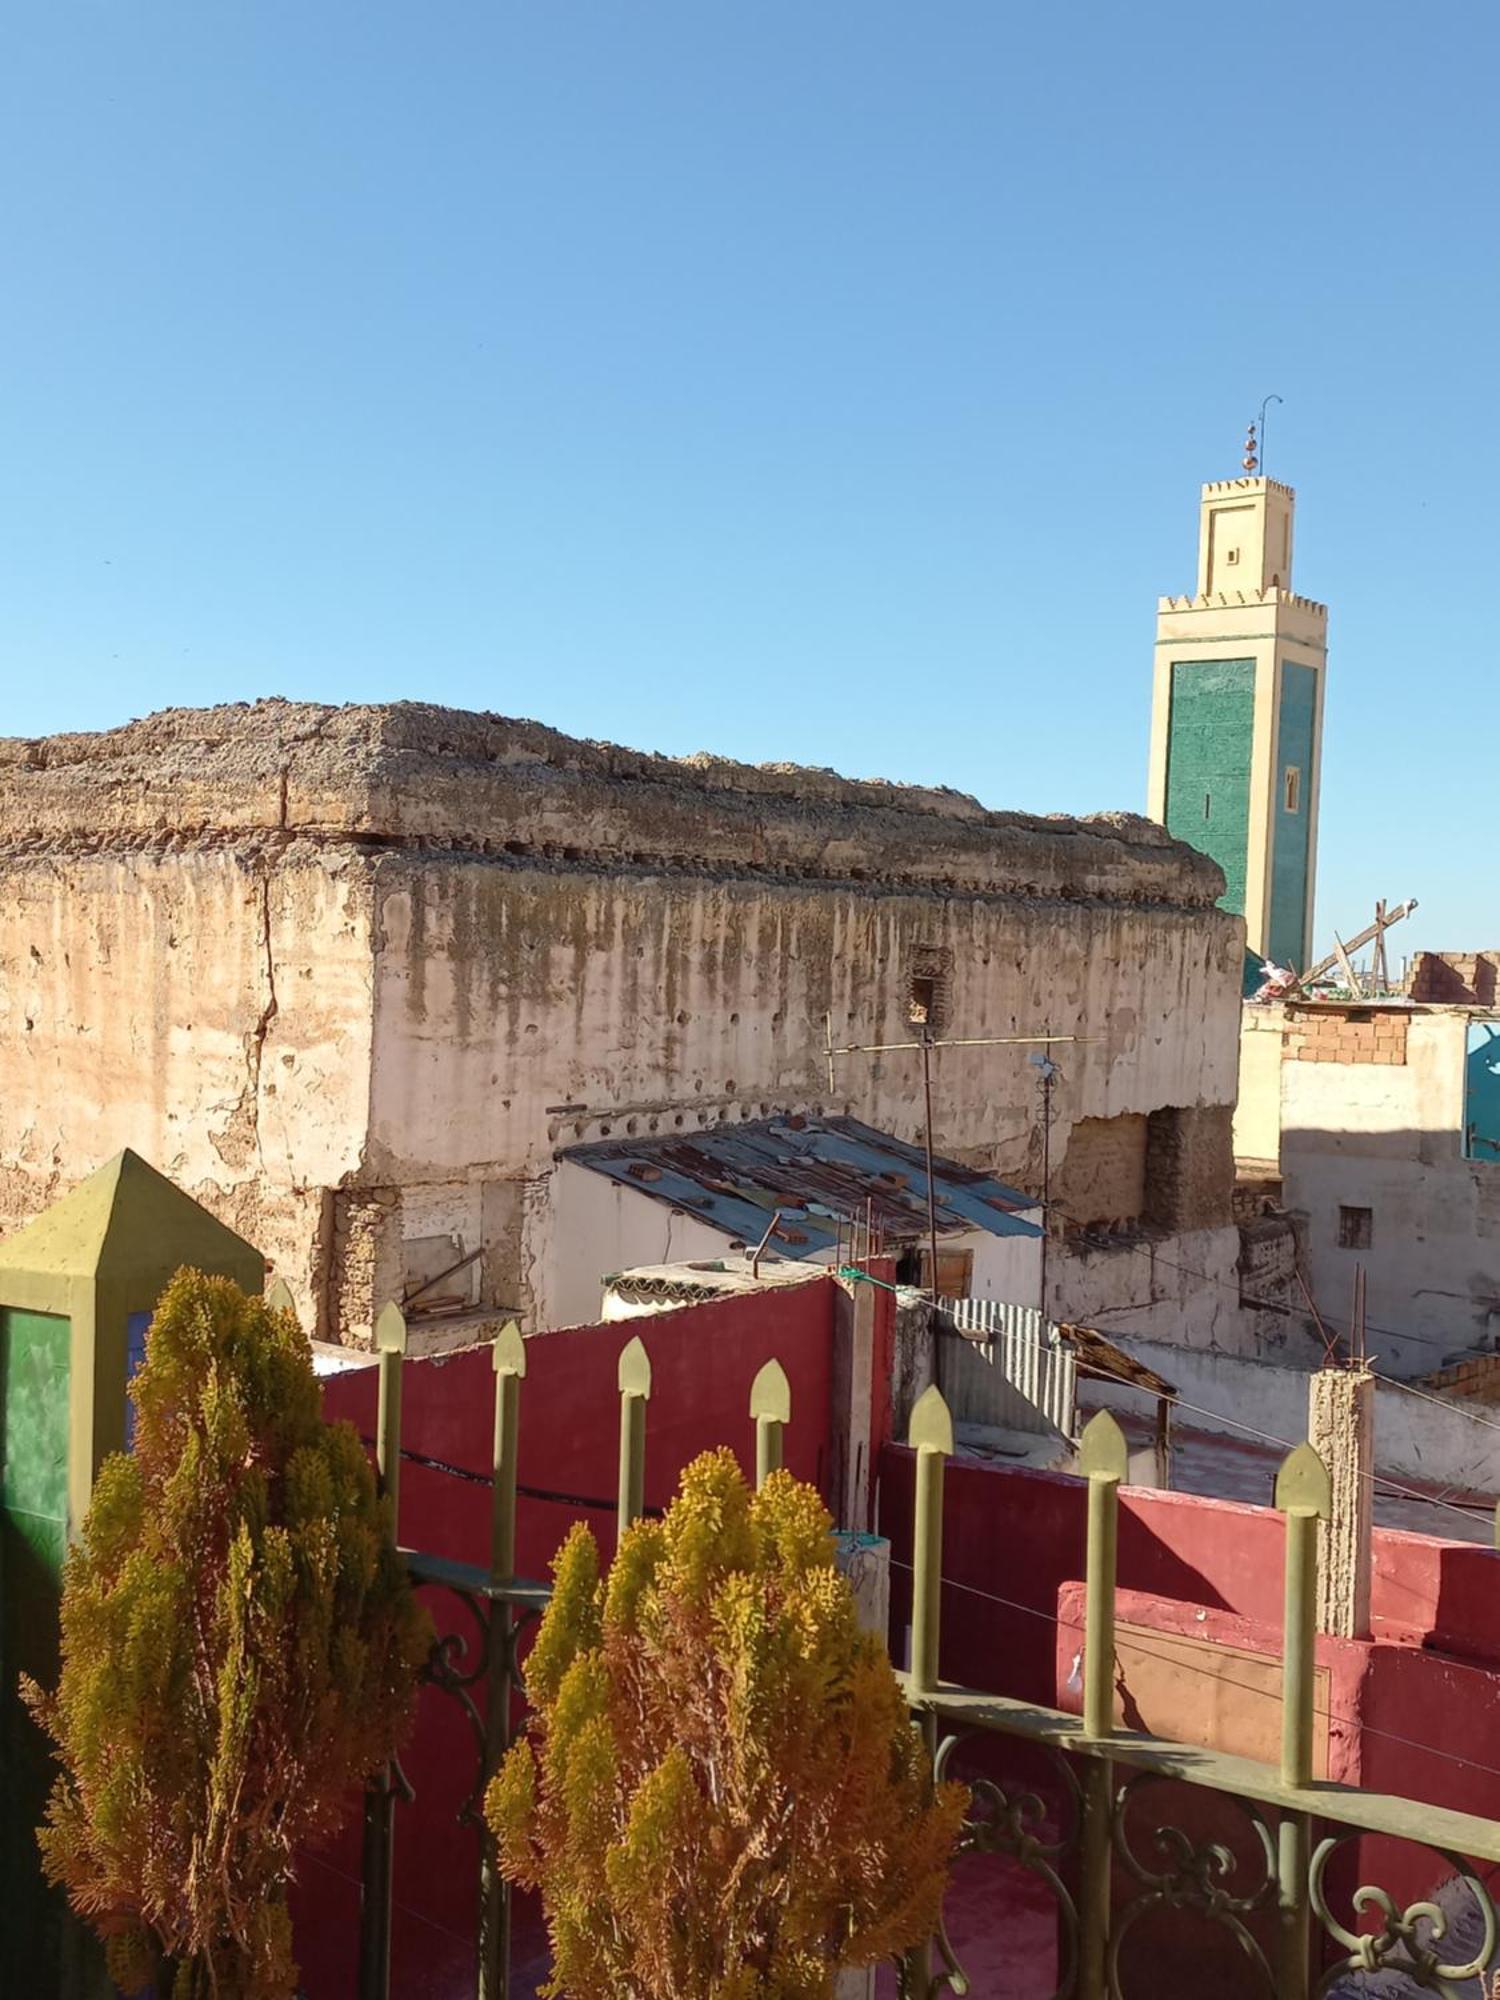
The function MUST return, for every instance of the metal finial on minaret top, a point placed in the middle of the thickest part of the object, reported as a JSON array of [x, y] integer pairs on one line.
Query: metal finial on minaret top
[[1251, 460]]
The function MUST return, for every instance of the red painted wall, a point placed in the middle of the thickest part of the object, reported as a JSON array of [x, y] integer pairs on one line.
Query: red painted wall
[[1410, 1718], [703, 1360], [1019, 1535]]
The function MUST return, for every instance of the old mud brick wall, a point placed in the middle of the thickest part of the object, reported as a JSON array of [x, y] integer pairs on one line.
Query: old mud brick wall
[[352, 976]]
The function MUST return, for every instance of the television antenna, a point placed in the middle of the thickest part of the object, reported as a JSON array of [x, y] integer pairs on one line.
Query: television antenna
[[919, 1014]]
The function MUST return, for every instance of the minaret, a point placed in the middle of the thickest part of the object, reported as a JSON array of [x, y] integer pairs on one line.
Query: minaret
[[1237, 714]]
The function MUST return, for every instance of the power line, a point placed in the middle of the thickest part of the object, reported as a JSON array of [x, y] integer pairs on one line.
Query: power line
[[1350, 1721], [1442, 1402]]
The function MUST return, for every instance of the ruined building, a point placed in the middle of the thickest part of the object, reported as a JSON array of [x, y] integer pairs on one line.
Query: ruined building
[[357, 978]]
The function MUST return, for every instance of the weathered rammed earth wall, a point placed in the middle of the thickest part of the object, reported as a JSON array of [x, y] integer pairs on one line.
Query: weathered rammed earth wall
[[336, 971]]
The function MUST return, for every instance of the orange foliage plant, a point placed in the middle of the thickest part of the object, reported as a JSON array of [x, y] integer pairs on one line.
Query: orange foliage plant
[[721, 1795], [239, 1649]]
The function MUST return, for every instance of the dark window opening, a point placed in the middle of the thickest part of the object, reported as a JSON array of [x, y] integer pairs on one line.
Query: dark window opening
[[1356, 1228], [922, 1002]]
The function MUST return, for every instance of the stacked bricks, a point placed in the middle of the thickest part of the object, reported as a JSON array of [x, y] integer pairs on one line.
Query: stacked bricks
[[1456, 978], [1477, 1377], [1346, 1035]]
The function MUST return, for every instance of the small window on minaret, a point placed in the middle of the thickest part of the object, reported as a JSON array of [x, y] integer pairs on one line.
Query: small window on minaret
[[1231, 555], [1292, 788]]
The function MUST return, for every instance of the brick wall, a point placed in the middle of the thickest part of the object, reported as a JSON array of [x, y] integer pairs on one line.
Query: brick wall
[[1478, 1377], [1103, 1174], [1458, 978], [1346, 1034], [1268, 1262], [1190, 1166]]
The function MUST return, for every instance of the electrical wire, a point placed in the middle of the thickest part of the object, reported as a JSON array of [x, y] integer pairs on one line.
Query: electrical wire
[[1392, 1486], [1442, 1402], [1328, 1715]]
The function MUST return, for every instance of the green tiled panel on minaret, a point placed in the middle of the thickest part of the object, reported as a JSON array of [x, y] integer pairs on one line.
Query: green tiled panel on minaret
[[1211, 726], [1286, 939]]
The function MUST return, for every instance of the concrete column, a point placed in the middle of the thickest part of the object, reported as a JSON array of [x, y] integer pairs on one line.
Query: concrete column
[[1341, 1429]]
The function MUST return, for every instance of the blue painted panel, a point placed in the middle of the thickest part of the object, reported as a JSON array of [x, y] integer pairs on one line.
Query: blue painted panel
[[1482, 1092], [136, 1328], [1288, 928]]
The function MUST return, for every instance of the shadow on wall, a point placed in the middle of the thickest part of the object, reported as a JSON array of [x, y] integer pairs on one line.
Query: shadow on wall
[[1420, 1218]]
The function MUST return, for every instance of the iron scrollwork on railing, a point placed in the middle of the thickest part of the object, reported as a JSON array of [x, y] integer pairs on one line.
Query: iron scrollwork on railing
[[1442, 1944], [1191, 1875], [460, 1662], [1011, 1822]]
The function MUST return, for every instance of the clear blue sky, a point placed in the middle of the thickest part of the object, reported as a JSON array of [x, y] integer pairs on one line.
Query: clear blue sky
[[824, 381]]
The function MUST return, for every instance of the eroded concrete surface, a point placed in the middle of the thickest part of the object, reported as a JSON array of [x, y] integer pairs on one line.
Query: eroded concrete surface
[[352, 975]]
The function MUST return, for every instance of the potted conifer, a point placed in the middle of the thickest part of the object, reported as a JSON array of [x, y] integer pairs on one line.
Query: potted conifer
[[720, 1795], [240, 1648]]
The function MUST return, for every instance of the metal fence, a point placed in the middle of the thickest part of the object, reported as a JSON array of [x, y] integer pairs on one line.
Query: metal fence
[[1259, 1856], [1009, 1367]]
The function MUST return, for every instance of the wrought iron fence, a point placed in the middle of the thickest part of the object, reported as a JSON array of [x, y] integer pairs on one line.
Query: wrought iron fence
[[1114, 1828]]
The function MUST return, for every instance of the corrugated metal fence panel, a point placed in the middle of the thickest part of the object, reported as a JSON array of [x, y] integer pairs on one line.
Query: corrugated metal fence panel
[[1010, 1369]]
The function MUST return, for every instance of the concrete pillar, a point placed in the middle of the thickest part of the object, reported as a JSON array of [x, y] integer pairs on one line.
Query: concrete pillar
[[1341, 1429]]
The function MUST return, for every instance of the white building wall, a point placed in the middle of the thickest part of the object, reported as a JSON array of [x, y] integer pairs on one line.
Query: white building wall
[[1388, 1138]]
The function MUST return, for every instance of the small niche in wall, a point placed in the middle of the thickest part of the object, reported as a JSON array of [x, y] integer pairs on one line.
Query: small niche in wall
[[1356, 1228]]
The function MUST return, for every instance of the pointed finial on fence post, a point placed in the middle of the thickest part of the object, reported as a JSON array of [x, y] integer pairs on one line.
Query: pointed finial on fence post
[[1304, 1494], [635, 1393], [509, 1358], [1104, 1460], [931, 1437], [771, 1407], [390, 1345], [279, 1297]]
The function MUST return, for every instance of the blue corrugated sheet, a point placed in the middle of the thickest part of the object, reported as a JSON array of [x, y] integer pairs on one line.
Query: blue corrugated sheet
[[817, 1171]]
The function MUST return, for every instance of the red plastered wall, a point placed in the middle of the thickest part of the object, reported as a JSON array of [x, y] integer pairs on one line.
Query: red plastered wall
[[703, 1359]]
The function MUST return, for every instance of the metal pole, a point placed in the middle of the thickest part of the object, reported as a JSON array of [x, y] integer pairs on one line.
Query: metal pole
[[509, 1357], [635, 1392], [1047, 1075], [1304, 1495], [932, 1238], [771, 1407], [390, 1343], [1104, 1459], [378, 1843], [931, 1437], [1262, 421]]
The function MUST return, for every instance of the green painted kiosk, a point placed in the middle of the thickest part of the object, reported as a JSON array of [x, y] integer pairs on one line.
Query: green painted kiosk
[[77, 1289]]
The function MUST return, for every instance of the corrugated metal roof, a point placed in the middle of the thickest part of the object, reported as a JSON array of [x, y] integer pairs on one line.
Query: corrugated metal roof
[[816, 1171]]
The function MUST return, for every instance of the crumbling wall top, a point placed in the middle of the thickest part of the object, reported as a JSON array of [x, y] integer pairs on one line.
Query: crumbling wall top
[[414, 775]]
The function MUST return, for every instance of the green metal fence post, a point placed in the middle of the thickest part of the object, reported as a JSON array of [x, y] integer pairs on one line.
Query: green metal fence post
[[380, 1795], [390, 1345], [1104, 1460], [509, 1357], [635, 1393], [931, 1438], [1304, 1495], [771, 1407]]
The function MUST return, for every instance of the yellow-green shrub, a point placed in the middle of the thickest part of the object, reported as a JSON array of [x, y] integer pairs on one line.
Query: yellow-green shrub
[[239, 1650], [720, 1795]]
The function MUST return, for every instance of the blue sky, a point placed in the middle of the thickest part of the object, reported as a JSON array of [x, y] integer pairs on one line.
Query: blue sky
[[823, 381]]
